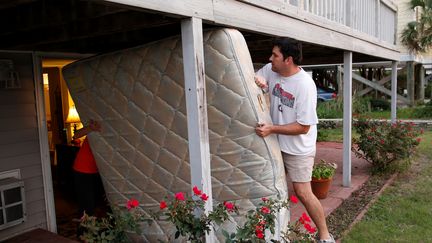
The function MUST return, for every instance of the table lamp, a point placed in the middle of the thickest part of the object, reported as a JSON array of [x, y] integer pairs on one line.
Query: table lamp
[[73, 117]]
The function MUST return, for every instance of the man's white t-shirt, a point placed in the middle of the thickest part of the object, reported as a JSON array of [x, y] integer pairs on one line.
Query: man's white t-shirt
[[293, 99]]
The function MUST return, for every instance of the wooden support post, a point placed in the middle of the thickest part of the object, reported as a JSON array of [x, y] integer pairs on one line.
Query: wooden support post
[[393, 91], [347, 118], [410, 82], [339, 82], [196, 105], [421, 83]]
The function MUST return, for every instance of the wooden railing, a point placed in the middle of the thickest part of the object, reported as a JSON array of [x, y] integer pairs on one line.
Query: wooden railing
[[373, 17]]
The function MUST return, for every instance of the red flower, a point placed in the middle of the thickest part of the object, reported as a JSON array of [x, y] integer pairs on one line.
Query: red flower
[[204, 197], [294, 199], [229, 206], [162, 205], [309, 228], [264, 199], [196, 191], [180, 196], [262, 222], [259, 234], [418, 140], [305, 217], [301, 220], [265, 210], [133, 203]]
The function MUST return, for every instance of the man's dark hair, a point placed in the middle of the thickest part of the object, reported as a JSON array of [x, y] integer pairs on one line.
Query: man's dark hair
[[289, 47]]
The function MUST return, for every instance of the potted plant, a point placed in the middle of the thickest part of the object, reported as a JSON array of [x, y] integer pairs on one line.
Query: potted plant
[[322, 177]]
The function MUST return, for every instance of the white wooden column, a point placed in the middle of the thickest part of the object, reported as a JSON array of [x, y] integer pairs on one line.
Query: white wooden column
[[196, 105], [393, 91], [347, 118]]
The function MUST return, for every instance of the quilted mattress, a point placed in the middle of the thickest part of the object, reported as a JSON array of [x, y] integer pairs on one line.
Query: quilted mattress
[[142, 151]]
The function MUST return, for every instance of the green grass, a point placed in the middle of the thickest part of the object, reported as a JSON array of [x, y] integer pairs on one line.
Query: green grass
[[403, 113], [403, 212], [333, 135]]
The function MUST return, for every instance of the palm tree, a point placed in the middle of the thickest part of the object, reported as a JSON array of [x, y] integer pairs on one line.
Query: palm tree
[[417, 35]]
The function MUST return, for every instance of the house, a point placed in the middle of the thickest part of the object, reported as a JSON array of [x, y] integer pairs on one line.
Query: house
[[417, 65], [38, 37]]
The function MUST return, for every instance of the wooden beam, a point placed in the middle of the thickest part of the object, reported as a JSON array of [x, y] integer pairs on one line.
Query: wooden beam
[[347, 118], [381, 82], [369, 89], [376, 86], [421, 83], [410, 82], [197, 8], [196, 106]]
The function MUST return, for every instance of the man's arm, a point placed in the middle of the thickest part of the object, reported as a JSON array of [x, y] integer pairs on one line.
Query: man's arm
[[294, 128], [93, 126]]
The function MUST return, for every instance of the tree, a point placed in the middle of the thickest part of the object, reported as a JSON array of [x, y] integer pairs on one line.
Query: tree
[[417, 35]]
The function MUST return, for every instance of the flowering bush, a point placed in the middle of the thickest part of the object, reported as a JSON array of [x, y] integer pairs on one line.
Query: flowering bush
[[114, 227], [263, 218], [187, 214], [385, 145]]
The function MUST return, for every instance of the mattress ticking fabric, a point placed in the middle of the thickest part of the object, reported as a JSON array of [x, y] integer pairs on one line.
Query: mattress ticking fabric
[[142, 151]]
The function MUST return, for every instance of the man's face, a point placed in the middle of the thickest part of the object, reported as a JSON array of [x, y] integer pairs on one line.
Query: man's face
[[278, 62]]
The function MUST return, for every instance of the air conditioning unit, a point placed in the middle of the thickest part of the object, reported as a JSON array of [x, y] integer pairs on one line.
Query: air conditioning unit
[[12, 204]]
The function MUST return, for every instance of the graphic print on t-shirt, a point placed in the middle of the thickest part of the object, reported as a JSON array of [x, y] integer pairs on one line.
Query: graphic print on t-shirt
[[285, 97]]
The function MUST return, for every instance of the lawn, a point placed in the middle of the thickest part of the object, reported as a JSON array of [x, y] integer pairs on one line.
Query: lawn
[[403, 212]]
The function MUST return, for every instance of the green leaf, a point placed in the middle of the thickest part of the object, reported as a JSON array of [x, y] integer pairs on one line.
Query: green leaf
[[225, 233]]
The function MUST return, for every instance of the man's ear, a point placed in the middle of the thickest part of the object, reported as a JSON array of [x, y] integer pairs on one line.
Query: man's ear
[[288, 59]]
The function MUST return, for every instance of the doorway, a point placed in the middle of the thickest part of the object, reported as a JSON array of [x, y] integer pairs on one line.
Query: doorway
[[62, 120]]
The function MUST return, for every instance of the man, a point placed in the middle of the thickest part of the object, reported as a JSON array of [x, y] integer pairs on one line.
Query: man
[[293, 98], [88, 184]]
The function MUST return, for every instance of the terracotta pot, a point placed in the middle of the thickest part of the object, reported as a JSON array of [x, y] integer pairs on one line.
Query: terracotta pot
[[321, 187]]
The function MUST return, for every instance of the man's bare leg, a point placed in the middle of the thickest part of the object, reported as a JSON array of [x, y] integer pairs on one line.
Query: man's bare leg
[[313, 207]]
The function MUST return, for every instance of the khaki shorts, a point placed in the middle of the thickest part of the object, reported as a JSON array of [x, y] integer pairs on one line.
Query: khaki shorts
[[299, 167]]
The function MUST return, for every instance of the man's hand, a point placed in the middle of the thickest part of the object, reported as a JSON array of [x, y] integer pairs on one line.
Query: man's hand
[[263, 130], [261, 82], [95, 126]]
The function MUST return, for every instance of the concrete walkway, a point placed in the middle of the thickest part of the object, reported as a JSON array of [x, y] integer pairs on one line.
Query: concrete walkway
[[332, 152]]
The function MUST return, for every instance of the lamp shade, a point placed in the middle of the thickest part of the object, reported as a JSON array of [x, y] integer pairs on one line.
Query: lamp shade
[[73, 116]]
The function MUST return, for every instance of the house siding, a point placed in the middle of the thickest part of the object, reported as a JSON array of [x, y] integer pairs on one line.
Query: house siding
[[19, 146]]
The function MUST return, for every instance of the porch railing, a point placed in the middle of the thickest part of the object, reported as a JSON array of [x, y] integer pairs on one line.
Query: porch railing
[[373, 17]]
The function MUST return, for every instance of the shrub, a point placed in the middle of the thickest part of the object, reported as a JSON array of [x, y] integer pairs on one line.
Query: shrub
[[330, 109], [264, 217], [361, 105], [423, 111], [322, 135], [388, 147], [113, 228], [187, 215], [380, 104]]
